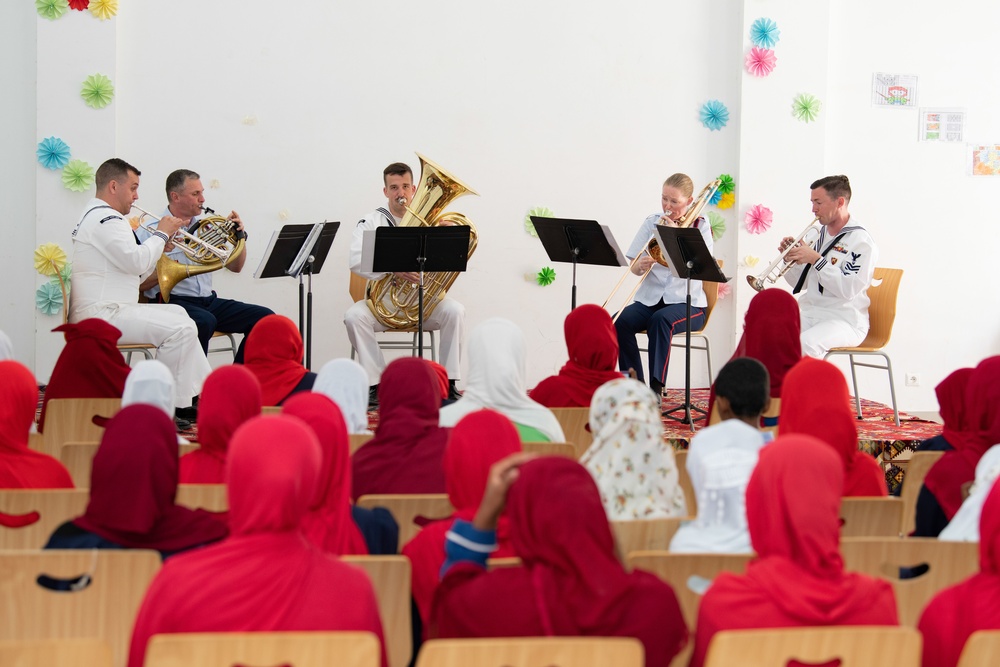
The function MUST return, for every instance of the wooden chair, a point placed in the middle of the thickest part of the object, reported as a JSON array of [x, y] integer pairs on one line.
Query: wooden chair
[[981, 649], [948, 563], [870, 517], [574, 426], [847, 646], [211, 497], [296, 649], [270, 410], [881, 315], [61, 652], [532, 652], [358, 439], [406, 507], [102, 606], [36, 442], [70, 420], [684, 479], [78, 457], [567, 449], [644, 534], [43, 510], [357, 290], [390, 577], [917, 467]]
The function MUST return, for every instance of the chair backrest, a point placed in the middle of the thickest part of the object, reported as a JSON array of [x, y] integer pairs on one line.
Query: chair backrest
[[78, 457], [981, 649], [532, 652], [644, 534], [358, 439], [947, 564], [857, 646], [566, 449], [102, 607], [211, 497], [870, 517], [63, 652], [390, 577], [712, 297], [69, 420], [357, 287], [882, 310], [296, 649], [38, 512], [916, 470], [684, 479], [270, 410], [36, 442], [405, 507], [574, 425]]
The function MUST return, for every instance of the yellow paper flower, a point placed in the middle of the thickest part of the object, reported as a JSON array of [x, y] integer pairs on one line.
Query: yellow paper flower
[[751, 261], [727, 200], [103, 9], [49, 259]]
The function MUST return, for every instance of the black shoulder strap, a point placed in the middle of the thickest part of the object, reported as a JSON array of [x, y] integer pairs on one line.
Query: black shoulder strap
[[805, 272], [388, 216]]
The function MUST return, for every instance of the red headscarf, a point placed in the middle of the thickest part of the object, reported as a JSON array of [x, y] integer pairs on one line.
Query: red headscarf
[[405, 454], [89, 366], [442, 375], [571, 582], [479, 440], [798, 577], [133, 483], [328, 524], [266, 576], [815, 401], [951, 404], [230, 396], [274, 353], [20, 467], [981, 431], [593, 360], [771, 334]]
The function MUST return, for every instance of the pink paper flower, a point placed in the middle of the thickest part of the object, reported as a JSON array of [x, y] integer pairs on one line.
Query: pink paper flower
[[760, 62], [724, 290], [758, 219]]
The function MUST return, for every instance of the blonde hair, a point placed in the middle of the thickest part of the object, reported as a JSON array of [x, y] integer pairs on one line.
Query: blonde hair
[[682, 182]]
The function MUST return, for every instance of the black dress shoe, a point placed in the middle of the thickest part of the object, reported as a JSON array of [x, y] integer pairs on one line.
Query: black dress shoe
[[373, 397], [453, 393], [182, 424]]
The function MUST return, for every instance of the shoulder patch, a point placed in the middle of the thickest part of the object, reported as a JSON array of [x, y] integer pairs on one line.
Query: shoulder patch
[[110, 217]]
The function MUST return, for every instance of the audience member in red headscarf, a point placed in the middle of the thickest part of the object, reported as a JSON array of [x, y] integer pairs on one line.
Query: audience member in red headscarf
[[815, 401], [274, 354], [20, 467], [970, 435], [593, 360], [328, 523], [405, 454], [230, 396], [798, 578], [89, 366], [133, 483], [479, 440], [266, 576], [571, 583]]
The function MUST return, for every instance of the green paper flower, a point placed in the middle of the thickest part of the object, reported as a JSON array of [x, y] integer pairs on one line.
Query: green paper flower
[[51, 9], [78, 176], [541, 212], [805, 107], [546, 276], [728, 185], [718, 225], [49, 298], [97, 91]]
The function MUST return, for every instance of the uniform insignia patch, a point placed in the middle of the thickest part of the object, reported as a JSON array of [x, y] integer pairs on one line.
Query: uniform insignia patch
[[852, 266], [833, 260]]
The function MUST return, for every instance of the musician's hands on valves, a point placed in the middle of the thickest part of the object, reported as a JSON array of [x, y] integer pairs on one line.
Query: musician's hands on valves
[[642, 265], [169, 225], [801, 254]]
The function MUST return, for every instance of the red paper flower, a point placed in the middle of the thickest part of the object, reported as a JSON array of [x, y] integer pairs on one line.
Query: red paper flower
[[758, 219], [79, 5], [760, 62]]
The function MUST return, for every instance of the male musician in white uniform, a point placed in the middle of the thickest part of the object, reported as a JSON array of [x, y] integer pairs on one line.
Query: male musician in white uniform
[[448, 316], [109, 263], [833, 274]]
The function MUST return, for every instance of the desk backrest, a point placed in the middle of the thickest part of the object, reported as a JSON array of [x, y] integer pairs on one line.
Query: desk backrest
[[533, 652], [296, 649], [211, 497], [32, 515], [55, 652], [853, 646], [870, 517], [645, 534], [71, 420], [405, 507], [390, 577]]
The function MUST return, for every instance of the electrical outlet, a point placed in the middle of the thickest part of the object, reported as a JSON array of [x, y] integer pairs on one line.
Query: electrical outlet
[[912, 380]]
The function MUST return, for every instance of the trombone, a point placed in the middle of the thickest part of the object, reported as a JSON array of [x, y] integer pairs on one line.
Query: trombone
[[221, 253], [779, 267]]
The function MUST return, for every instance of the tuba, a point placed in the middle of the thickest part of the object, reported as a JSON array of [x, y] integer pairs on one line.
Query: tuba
[[394, 304]]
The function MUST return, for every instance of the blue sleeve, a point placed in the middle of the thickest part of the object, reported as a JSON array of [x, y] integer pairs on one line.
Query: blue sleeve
[[466, 544]]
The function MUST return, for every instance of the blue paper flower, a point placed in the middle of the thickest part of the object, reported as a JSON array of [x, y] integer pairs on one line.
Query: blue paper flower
[[764, 33], [714, 115], [716, 196], [49, 298], [53, 153]]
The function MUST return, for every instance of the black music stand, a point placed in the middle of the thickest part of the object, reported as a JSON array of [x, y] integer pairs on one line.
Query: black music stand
[[578, 242], [689, 259], [421, 250], [297, 250]]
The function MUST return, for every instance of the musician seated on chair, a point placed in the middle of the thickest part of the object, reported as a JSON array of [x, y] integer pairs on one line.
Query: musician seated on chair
[[185, 197], [660, 307], [834, 273], [448, 317]]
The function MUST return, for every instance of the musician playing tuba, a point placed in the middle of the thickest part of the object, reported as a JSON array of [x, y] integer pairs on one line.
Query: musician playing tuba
[[362, 325], [185, 200]]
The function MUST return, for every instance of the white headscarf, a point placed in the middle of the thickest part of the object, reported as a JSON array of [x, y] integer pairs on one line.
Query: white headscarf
[[964, 526], [720, 460], [345, 382], [6, 347], [498, 380], [634, 468], [150, 382]]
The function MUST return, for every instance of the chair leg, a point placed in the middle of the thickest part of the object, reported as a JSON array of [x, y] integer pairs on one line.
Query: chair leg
[[854, 378], [708, 357], [434, 354], [892, 388]]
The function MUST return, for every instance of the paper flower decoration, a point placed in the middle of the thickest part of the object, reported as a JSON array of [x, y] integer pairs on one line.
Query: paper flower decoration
[[718, 225], [714, 115], [764, 33], [724, 290], [760, 62], [49, 298], [805, 107], [53, 153], [727, 185], [727, 200], [751, 261], [546, 276], [77, 176], [541, 212], [51, 9], [104, 9], [79, 5], [716, 196], [97, 91], [49, 259], [758, 219]]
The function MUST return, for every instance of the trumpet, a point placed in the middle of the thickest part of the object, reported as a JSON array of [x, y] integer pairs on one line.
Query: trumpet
[[779, 267], [220, 253]]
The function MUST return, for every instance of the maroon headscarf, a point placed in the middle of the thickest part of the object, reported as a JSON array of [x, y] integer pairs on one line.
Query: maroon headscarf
[[593, 360], [951, 405], [274, 354], [442, 375]]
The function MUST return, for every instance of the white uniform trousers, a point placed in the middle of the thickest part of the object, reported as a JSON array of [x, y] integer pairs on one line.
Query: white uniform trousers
[[448, 318], [820, 334]]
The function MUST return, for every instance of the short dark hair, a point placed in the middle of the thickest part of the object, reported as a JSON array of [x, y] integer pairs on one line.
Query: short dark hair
[[745, 383], [835, 186], [396, 169], [177, 179], [115, 169]]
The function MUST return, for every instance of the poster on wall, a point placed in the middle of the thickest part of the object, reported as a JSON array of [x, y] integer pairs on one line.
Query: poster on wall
[[984, 159], [947, 125], [894, 90]]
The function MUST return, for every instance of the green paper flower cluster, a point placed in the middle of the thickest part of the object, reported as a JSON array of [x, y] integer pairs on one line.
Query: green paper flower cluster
[[546, 276], [97, 91], [538, 211]]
